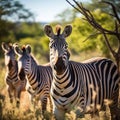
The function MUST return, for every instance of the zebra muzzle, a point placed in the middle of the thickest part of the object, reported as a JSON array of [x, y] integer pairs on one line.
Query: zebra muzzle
[[59, 66], [10, 64]]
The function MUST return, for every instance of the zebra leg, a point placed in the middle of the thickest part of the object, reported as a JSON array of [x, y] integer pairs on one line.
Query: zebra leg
[[115, 113], [114, 110], [106, 115], [59, 114], [51, 106], [35, 102], [31, 96], [10, 94], [17, 96], [95, 116], [44, 104], [32, 99]]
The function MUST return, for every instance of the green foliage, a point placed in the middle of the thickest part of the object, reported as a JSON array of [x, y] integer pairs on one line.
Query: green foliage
[[33, 34], [39, 47], [11, 10], [77, 41], [28, 29], [82, 30], [106, 8]]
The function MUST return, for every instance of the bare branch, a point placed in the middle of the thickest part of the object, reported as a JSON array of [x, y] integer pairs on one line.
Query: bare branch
[[92, 35], [92, 21], [74, 6], [117, 30], [109, 46]]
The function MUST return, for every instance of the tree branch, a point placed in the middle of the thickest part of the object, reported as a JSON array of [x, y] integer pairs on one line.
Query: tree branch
[[109, 46], [91, 20], [92, 35]]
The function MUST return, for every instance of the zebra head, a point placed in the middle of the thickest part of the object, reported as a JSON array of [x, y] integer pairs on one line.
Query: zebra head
[[59, 54], [10, 60], [24, 60]]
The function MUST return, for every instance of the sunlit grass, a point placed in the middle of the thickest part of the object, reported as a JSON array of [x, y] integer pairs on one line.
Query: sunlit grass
[[26, 110]]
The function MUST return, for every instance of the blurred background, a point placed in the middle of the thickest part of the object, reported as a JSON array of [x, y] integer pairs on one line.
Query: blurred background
[[22, 22]]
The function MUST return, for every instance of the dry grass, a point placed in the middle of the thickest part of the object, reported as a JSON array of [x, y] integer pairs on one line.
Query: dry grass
[[26, 111]]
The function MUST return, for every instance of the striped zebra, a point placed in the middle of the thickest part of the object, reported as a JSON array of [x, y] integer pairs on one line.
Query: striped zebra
[[14, 85], [84, 85], [38, 76]]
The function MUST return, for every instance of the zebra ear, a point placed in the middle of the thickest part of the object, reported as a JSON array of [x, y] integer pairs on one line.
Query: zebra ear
[[17, 50], [28, 49], [15, 44], [5, 47], [48, 31], [67, 31]]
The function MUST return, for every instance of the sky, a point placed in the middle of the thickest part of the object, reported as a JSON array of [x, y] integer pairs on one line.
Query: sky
[[46, 10]]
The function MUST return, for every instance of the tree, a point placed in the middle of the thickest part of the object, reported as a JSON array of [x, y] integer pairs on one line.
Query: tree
[[11, 10], [101, 30], [104, 7], [28, 29]]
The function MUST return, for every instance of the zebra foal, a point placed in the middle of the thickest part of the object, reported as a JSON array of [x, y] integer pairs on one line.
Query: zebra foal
[[38, 76], [14, 85], [85, 85]]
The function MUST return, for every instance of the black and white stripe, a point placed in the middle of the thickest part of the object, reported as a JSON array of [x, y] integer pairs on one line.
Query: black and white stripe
[[15, 86], [39, 77], [85, 85]]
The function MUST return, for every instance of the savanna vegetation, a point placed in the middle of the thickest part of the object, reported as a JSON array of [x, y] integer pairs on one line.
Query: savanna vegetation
[[17, 25]]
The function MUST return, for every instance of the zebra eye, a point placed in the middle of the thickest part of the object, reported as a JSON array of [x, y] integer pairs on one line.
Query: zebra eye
[[66, 46], [50, 46], [28, 60]]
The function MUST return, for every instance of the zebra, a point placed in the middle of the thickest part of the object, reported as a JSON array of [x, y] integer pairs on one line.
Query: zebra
[[14, 85], [38, 76], [86, 85]]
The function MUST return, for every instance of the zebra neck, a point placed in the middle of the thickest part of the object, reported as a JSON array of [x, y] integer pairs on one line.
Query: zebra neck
[[32, 74], [32, 78], [62, 80], [33, 66], [57, 76], [13, 69]]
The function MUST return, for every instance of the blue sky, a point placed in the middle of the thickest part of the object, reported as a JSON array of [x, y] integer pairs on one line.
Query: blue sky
[[46, 10]]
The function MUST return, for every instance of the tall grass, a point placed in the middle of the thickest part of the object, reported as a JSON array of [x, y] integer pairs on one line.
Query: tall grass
[[26, 111]]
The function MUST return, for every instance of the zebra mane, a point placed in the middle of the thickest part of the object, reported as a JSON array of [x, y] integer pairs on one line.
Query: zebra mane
[[10, 45], [23, 48], [34, 59], [58, 29]]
